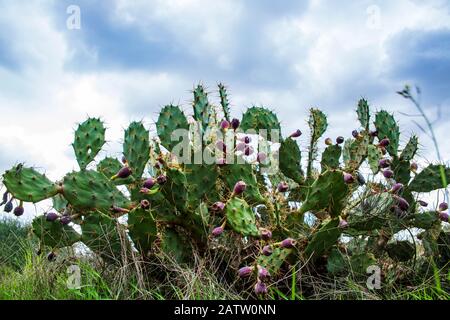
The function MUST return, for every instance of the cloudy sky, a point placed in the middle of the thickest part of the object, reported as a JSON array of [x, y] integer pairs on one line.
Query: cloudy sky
[[129, 58]]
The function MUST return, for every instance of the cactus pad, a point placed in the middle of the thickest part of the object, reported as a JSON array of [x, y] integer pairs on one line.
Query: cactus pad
[[142, 229], [175, 190], [363, 113], [430, 179], [274, 262], [374, 155], [290, 160], [258, 119], [387, 127], [240, 217], [224, 101], [330, 157], [171, 118], [89, 140], [323, 239], [54, 234], [410, 150], [136, 148]]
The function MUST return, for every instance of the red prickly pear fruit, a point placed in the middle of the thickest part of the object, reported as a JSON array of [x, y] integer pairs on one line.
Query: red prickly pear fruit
[[235, 123], [123, 173], [149, 183], [401, 202], [340, 140], [385, 142], [388, 174], [145, 204], [422, 203], [288, 243], [267, 250], [266, 234], [414, 167], [217, 231], [245, 272], [220, 145], [443, 206], [218, 206], [8, 206], [348, 178], [260, 288], [263, 273], [18, 211], [65, 220], [384, 163], [51, 256], [396, 188], [240, 146], [328, 141], [225, 124], [355, 134], [248, 150], [283, 187], [343, 224], [51, 216], [443, 216], [261, 157], [239, 187], [296, 134], [162, 179]]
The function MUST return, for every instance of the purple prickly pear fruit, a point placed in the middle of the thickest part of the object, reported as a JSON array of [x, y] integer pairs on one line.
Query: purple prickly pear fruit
[[443, 216], [343, 224], [396, 188], [217, 231], [263, 273], [162, 179], [384, 163], [248, 150], [51, 256], [225, 124], [218, 206], [261, 157], [4, 199], [328, 141], [260, 288], [245, 272], [239, 187], [296, 134], [266, 234], [123, 173], [65, 220], [283, 187], [8, 206], [267, 250], [374, 134], [288, 243], [355, 134], [401, 203], [149, 183], [340, 140], [220, 145], [246, 140], [414, 167], [385, 142], [348, 178], [240, 146], [235, 123], [51, 216], [388, 174], [18, 211], [443, 206], [422, 203], [145, 204]]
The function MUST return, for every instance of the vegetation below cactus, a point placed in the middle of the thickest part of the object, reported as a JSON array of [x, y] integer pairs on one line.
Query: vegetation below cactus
[[206, 196]]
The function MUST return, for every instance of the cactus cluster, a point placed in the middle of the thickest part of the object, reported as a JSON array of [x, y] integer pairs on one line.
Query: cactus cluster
[[201, 181]]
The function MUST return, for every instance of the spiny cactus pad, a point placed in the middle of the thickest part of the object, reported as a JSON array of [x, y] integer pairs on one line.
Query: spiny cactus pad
[[387, 127], [136, 147], [410, 150], [224, 101], [258, 119], [363, 113], [324, 238], [142, 228], [27, 184], [331, 157], [240, 217], [54, 234], [89, 140], [274, 262], [175, 190], [171, 119], [290, 160], [430, 179]]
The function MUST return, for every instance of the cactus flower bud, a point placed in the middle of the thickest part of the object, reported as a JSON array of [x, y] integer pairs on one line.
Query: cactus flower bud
[[384, 163], [348, 178], [388, 174], [288, 243], [263, 273], [239, 187], [422, 203], [225, 124], [145, 204], [123, 173], [443, 206], [51, 216], [401, 202], [340, 140], [218, 206], [385, 142], [18, 211], [328, 141], [266, 234], [343, 224], [414, 167], [283, 187], [245, 272], [260, 288], [443, 216], [396, 188], [296, 134], [162, 179], [267, 250], [261, 157], [217, 231], [235, 123], [65, 220], [149, 183], [8, 206]]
